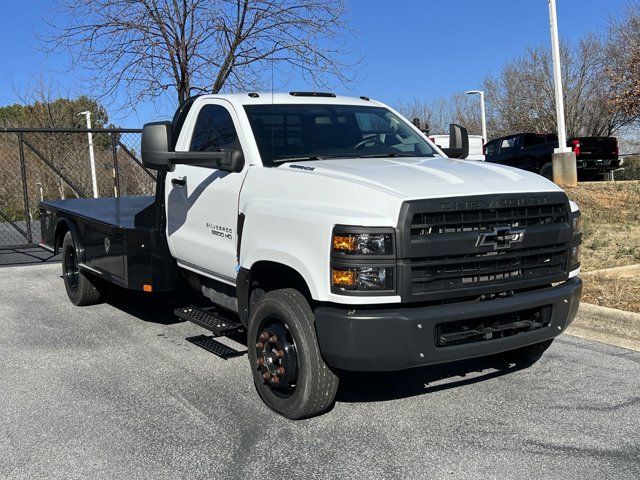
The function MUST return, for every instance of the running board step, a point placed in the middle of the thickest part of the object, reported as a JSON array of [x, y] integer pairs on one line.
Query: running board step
[[210, 319], [211, 345]]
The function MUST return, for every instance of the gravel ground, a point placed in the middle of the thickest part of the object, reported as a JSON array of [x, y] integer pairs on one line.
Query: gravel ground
[[115, 391]]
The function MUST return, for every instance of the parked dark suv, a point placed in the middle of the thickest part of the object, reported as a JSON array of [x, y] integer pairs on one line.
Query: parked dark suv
[[595, 156]]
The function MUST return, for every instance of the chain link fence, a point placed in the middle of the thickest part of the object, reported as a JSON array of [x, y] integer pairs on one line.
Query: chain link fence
[[37, 164]]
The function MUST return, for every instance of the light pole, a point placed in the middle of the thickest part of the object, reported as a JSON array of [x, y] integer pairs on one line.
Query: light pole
[[483, 112], [564, 159], [92, 160]]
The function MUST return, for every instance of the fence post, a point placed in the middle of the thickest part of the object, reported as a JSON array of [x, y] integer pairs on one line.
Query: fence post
[[116, 169], [25, 192]]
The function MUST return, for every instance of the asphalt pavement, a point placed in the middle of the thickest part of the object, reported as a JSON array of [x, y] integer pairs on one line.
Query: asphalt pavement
[[116, 391]]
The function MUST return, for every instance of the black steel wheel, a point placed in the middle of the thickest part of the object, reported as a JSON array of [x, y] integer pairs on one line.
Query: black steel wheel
[[276, 357], [70, 267], [288, 370], [81, 289]]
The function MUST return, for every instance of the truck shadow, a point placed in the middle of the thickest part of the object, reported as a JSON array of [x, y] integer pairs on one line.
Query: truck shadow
[[384, 386], [154, 308], [354, 386]]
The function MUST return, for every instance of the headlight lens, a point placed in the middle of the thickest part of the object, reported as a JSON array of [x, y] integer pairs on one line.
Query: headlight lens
[[363, 243], [362, 278]]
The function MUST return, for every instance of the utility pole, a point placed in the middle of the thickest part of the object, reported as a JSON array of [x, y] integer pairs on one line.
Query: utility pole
[[564, 159], [92, 160], [483, 113]]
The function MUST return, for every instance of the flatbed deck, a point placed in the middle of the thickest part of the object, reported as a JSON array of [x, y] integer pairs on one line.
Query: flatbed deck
[[122, 212], [119, 239]]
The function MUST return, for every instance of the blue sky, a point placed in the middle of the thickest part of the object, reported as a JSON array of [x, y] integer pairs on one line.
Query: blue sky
[[410, 49]]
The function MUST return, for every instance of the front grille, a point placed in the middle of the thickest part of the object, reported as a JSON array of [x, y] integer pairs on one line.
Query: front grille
[[493, 327], [482, 220], [470, 246], [503, 267]]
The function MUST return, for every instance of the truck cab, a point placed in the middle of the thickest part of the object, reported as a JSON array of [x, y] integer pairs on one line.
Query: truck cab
[[338, 236]]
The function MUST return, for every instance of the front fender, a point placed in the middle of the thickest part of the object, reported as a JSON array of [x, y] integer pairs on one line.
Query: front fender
[[300, 238], [301, 245]]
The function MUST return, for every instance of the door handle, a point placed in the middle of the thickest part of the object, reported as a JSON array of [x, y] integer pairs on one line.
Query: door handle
[[181, 181]]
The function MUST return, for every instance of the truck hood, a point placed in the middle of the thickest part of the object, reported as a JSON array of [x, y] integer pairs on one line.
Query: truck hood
[[411, 178]]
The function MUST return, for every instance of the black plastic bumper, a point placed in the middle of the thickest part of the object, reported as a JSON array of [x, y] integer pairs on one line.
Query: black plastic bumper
[[399, 338], [598, 165]]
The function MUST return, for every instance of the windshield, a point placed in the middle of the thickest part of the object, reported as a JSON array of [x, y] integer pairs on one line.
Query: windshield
[[312, 132]]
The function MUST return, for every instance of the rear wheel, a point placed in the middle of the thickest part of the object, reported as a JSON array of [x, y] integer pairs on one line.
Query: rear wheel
[[526, 355], [288, 371], [81, 289]]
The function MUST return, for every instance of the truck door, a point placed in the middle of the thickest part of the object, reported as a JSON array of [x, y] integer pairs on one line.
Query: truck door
[[508, 152], [202, 202]]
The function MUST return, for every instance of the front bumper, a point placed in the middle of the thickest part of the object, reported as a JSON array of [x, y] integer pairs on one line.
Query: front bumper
[[400, 338]]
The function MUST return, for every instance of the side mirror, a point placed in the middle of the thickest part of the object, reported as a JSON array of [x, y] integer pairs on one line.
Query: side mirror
[[458, 142], [232, 161], [156, 146], [227, 160], [158, 154]]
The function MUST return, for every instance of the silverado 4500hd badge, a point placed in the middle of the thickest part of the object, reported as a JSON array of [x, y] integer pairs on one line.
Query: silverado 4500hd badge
[[220, 231]]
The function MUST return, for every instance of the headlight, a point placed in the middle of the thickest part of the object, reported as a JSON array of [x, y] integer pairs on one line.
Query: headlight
[[363, 260], [363, 243], [362, 278]]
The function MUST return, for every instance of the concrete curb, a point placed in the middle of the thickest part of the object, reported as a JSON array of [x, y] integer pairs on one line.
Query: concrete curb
[[607, 325]]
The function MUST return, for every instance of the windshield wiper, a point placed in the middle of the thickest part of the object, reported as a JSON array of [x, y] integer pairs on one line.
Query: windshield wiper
[[296, 159], [393, 155], [310, 157]]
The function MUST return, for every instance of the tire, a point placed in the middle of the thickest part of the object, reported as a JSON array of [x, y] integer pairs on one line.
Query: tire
[[526, 355], [282, 343], [547, 171], [81, 289]]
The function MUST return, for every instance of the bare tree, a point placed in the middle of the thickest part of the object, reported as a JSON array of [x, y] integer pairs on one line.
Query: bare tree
[[433, 116], [623, 61], [441, 112], [148, 47], [521, 97]]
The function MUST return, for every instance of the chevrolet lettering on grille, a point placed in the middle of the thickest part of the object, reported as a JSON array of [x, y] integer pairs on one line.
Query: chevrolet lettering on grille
[[500, 238]]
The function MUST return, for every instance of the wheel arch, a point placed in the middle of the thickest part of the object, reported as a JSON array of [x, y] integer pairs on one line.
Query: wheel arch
[[63, 226], [265, 276]]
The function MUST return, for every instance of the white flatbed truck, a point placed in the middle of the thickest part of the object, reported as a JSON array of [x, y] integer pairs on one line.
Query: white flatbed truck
[[337, 236]]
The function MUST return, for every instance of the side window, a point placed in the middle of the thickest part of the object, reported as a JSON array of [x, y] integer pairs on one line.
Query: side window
[[214, 130], [507, 145], [531, 140], [491, 148]]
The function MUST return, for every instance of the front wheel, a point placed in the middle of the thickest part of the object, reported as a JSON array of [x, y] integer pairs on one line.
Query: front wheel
[[288, 371]]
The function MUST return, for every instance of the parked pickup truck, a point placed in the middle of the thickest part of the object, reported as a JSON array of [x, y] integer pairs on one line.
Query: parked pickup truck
[[595, 156], [336, 236]]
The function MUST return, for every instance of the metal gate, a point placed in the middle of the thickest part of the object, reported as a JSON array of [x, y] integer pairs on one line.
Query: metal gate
[[47, 163]]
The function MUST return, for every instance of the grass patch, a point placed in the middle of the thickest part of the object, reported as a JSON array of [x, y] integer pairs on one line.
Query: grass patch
[[616, 292], [611, 221]]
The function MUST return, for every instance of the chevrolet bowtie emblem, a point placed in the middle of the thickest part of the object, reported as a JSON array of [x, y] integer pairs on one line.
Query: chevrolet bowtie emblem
[[501, 237]]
